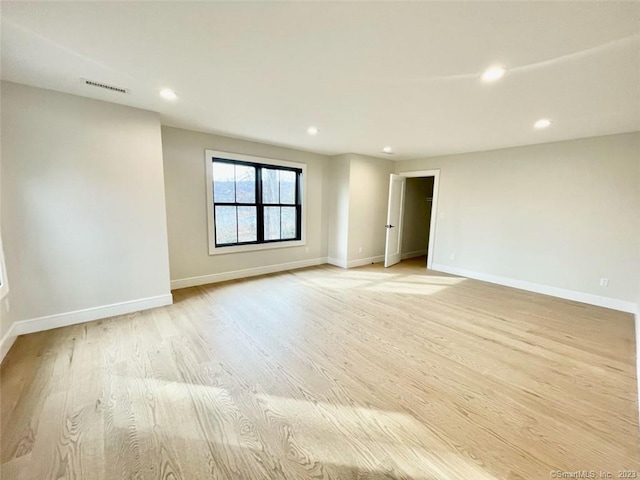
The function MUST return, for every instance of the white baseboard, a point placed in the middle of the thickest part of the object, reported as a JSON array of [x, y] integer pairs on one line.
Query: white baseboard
[[591, 299], [337, 262], [248, 272], [7, 341], [365, 261], [417, 253], [48, 322], [355, 263]]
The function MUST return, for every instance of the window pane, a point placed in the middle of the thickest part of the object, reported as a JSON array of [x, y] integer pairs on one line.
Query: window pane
[[226, 225], [288, 228], [270, 186], [272, 223], [287, 187], [223, 182], [247, 224], [245, 184]]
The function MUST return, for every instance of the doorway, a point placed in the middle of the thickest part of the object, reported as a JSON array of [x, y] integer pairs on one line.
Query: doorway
[[413, 212], [417, 218]]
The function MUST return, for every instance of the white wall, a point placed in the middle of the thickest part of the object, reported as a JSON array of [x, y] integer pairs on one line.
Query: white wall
[[83, 213], [184, 167], [368, 200], [560, 214], [637, 325], [359, 187], [338, 176], [417, 216], [4, 320]]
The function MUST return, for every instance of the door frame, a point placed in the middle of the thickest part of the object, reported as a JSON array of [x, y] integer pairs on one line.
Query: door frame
[[434, 207]]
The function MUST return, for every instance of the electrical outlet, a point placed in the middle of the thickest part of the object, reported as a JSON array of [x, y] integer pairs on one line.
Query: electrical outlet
[[604, 282], [360, 250], [452, 256]]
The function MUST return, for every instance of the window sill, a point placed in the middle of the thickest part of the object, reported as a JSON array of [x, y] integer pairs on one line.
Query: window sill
[[252, 248]]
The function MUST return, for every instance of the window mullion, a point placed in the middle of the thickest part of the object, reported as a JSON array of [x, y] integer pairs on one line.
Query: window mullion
[[259, 209], [298, 207]]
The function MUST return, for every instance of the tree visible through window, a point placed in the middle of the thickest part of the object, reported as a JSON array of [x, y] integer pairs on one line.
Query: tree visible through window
[[255, 203]]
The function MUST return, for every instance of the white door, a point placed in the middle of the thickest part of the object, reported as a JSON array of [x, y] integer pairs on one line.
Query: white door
[[392, 249]]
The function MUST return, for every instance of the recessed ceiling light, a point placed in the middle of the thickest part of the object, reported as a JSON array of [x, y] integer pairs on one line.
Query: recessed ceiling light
[[387, 149], [312, 130], [542, 123], [492, 74], [168, 94]]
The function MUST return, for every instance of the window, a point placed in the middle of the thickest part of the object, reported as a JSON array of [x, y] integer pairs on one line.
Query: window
[[253, 203]]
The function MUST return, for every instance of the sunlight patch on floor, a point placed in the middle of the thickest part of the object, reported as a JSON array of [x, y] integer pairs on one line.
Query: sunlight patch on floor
[[406, 288], [433, 279], [385, 283], [357, 436], [339, 283], [415, 284], [352, 436], [354, 273]]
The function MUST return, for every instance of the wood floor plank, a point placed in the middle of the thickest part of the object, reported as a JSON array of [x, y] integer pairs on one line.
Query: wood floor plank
[[325, 373]]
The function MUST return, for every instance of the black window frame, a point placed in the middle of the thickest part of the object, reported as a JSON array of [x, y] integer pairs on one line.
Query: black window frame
[[259, 203]]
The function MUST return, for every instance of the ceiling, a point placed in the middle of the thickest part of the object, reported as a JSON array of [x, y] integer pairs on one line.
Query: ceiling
[[367, 74]]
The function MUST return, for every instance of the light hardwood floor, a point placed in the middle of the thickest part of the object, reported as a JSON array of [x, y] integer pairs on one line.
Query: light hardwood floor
[[326, 373]]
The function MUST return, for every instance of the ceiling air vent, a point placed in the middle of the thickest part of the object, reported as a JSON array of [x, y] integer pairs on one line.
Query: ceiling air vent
[[105, 86]]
